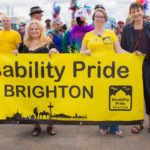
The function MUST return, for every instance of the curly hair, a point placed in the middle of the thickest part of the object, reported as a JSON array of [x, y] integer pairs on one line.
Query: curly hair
[[43, 39]]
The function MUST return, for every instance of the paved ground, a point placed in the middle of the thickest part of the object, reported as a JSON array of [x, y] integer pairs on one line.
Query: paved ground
[[18, 137]]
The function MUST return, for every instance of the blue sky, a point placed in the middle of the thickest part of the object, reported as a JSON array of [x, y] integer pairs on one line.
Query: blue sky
[[117, 9]]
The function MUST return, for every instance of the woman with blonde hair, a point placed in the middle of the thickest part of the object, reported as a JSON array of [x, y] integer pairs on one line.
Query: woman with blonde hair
[[36, 41]]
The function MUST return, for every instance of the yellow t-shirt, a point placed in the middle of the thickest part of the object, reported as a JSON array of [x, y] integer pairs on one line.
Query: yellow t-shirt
[[103, 44], [9, 40]]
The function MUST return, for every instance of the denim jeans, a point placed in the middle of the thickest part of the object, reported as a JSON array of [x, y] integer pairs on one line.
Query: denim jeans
[[112, 128]]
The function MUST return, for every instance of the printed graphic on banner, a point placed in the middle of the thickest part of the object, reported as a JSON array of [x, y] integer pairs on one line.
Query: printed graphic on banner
[[120, 98], [71, 89]]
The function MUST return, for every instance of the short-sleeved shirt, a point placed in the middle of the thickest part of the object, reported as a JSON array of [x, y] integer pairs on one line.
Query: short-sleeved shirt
[[102, 44], [9, 40]]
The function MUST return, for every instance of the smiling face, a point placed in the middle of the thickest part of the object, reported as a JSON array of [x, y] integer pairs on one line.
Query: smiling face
[[99, 19], [35, 31], [137, 13]]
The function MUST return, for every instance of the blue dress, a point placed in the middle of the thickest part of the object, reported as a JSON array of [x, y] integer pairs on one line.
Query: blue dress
[[57, 40]]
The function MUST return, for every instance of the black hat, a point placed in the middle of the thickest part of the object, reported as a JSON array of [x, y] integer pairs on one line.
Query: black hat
[[99, 6], [35, 10]]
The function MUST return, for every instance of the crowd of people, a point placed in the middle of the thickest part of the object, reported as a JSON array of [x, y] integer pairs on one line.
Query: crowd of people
[[103, 35]]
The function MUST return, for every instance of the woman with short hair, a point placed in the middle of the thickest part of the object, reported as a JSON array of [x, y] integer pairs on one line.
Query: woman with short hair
[[136, 36], [103, 41]]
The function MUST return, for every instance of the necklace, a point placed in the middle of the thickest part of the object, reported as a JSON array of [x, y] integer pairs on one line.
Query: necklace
[[99, 33]]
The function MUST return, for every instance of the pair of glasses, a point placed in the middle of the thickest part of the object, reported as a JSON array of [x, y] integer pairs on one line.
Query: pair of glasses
[[100, 17]]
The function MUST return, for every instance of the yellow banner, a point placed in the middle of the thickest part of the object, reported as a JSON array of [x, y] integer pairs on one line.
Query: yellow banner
[[71, 89]]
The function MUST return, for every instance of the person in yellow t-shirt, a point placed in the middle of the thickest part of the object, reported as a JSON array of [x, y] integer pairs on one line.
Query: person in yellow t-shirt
[[103, 41], [99, 43], [9, 39]]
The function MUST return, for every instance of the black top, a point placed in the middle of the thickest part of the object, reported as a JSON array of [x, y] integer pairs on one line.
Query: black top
[[144, 43], [43, 49]]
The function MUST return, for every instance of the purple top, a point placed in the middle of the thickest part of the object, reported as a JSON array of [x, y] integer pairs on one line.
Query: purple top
[[82, 29], [77, 35], [144, 43]]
